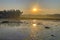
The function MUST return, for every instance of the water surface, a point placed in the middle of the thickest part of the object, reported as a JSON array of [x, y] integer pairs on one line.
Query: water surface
[[30, 30]]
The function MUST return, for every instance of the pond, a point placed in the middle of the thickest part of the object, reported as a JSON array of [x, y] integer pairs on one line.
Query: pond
[[31, 30]]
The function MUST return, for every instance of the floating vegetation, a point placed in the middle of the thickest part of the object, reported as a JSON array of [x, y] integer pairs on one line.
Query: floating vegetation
[[5, 22], [47, 27], [53, 35]]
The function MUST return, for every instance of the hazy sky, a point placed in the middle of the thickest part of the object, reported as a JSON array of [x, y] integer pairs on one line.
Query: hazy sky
[[47, 6]]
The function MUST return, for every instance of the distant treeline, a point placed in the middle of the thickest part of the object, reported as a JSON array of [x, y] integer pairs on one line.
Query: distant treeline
[[55, 15], [10, 14], [48, 16]]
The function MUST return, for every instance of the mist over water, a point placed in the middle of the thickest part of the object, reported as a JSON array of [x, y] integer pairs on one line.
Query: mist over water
[[30, 30]]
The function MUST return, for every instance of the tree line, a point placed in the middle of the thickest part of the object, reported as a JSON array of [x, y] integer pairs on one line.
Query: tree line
[[10, 14]]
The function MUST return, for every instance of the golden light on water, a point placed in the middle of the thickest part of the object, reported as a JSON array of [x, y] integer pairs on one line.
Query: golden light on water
[[34, 21], [34, 25]]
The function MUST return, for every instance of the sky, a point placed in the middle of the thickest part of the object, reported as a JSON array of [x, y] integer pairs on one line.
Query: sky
[[43, 6]]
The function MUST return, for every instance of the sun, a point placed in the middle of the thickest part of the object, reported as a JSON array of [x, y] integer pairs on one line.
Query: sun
[[34, 9]]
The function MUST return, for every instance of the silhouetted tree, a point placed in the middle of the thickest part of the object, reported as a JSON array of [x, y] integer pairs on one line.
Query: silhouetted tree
[[10, 14]]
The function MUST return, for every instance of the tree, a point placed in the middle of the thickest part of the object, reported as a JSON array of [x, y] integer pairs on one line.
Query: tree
[[10, 14]]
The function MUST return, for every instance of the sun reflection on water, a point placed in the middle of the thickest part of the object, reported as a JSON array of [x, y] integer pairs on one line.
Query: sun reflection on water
[[34, 30], [34, 25]]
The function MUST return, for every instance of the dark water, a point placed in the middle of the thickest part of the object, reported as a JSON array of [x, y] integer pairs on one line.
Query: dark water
[[31, 30]]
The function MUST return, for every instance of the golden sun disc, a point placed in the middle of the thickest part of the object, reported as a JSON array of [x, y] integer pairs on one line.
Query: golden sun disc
[[34, 9]]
